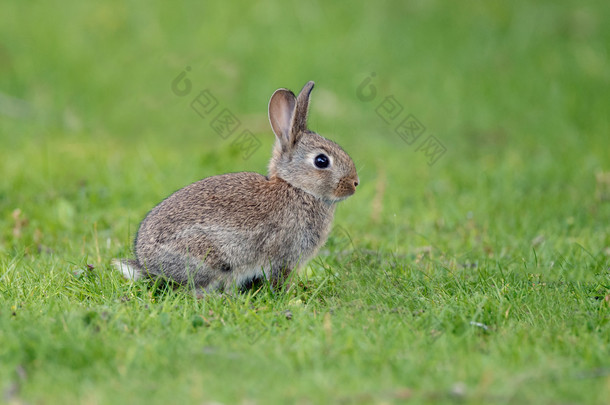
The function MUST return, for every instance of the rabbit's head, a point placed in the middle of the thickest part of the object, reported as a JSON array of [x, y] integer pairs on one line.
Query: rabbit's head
[[303, 158]]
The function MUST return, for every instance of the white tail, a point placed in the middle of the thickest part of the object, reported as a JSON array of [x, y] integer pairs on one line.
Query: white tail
[[127, 270]]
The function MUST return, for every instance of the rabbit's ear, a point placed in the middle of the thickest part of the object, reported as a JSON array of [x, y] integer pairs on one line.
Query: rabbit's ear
[[300, 117], [281, 115]]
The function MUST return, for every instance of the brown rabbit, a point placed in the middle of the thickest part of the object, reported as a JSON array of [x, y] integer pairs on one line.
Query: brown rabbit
[[236, 228]]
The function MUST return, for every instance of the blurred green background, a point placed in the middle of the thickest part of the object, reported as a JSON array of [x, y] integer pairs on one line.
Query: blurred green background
[[92, 135], [516, 93]]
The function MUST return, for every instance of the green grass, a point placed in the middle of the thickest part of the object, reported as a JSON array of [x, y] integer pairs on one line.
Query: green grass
[[483, 278]]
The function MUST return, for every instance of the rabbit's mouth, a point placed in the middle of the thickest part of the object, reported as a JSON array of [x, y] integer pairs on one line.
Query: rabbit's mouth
[[346, 188], [342, 196]]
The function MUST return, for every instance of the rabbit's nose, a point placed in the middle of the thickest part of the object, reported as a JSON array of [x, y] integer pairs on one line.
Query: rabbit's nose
[[356, 182]]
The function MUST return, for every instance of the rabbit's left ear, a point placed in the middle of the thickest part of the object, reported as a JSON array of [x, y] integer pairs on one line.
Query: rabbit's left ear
[[281, 113], [288, 115], [300, 116]]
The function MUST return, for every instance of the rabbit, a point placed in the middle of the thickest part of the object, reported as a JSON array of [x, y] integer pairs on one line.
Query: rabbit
[[236, 229]]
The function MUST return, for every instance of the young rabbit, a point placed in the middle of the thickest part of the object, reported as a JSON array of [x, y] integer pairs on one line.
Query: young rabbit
[[237, 228]]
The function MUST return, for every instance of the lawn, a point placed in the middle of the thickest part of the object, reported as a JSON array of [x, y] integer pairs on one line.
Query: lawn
[[471, 266]]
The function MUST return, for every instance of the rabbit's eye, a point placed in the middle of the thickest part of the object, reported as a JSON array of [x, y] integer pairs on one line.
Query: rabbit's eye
[[321, 161]]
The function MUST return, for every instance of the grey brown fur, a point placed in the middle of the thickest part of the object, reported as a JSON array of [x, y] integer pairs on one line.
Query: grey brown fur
[[233, 228]]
